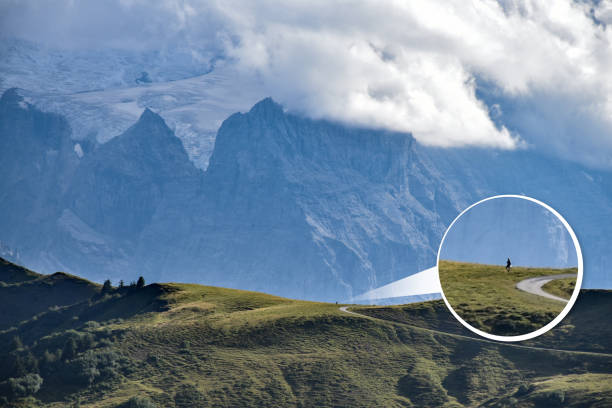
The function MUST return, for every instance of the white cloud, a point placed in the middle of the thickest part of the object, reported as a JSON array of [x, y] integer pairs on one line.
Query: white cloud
[[410, 66], [364, 64]]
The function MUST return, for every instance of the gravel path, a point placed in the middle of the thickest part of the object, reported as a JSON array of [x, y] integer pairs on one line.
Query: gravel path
[[534, 285]]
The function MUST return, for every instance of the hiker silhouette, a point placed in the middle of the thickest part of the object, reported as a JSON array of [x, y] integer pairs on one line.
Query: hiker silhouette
[[508, 265]]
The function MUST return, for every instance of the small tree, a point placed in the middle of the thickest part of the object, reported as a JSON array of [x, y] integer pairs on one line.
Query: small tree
[[121, 283], [140, 283], [138, 402], [16, 343], [107, 287], [70, 349]]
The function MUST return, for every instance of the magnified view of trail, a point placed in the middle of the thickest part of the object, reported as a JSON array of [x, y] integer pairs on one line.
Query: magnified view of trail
[[534, 285]]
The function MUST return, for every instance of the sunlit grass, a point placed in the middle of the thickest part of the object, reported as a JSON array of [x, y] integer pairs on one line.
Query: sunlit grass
[[561, 287], [486, 297]]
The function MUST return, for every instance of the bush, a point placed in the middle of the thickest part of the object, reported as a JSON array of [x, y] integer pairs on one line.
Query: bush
[[90, 367], [138, 402], [189, 396], [22, 386], [16, 343], [17, 364], [70, 349], [92, 325]]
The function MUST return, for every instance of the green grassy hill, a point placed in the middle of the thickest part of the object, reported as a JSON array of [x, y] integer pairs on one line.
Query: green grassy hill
[[180, 345], [486, 297]]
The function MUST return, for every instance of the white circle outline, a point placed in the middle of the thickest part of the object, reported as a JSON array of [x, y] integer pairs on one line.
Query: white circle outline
[[560, 316]]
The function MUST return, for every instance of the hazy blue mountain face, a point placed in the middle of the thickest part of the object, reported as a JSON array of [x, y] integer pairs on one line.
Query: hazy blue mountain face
[[582, 196], [288, 205], [37, 162], [118, 189], [315, 210]]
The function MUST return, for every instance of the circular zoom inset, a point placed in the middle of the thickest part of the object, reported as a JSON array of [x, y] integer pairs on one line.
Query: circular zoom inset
[[510, 267]]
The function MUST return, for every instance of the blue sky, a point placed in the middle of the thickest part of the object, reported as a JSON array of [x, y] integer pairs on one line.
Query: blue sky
[[497, 74], [522, 230]]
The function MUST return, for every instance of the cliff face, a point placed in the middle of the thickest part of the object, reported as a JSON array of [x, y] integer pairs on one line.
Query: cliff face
[[314, 209], [37, 162], [292, 206]]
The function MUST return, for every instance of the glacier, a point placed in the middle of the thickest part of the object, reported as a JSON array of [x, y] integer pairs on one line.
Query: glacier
[[100, 95]]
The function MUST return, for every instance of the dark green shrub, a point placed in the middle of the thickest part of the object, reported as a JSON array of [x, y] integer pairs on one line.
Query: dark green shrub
[[21, 387], [91, 325], [90, 367], [138, 402], [70, 349], [16, 343], [189, 396], [17, 364]]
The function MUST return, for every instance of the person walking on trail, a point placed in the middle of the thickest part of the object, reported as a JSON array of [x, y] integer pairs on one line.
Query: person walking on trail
[[508, 265]]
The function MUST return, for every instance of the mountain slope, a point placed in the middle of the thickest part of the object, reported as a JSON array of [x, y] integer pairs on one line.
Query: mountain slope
[[182, 345], [297, 207], [36, 293], [11, 273], [320, 210], [37, 162], [117, 189]]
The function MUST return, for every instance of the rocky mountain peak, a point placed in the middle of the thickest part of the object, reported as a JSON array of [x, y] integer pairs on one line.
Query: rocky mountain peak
[[11, 97], [151, 124], [266, 106]]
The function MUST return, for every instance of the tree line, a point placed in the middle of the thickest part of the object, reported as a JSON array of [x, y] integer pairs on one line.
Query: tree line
[[107, 287]]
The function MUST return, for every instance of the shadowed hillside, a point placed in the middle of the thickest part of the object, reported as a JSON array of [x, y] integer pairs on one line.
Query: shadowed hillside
[[35, 293], [11, 273]]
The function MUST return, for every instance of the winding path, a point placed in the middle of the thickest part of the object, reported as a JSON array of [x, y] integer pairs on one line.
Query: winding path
[[345, 310], [476, 338], [534, 285]]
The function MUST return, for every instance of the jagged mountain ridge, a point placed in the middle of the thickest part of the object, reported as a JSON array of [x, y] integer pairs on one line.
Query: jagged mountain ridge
[[314, 187], [101, 93], [288, 205]]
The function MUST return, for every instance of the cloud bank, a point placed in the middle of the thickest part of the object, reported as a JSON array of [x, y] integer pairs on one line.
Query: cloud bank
[[482, 73]]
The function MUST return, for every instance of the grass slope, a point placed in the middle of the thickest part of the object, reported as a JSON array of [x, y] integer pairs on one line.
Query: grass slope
[[486, 297], [561, 287], [180, 345], [584, 329]]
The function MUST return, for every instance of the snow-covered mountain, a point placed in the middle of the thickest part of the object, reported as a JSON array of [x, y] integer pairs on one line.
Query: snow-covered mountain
[[287, 205]]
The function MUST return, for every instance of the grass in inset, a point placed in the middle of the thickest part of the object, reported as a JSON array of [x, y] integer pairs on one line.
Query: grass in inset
[[486, 297], [561, 287]]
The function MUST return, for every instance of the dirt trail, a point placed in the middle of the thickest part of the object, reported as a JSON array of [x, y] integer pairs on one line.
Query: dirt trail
[[534, 285], [479, 339]]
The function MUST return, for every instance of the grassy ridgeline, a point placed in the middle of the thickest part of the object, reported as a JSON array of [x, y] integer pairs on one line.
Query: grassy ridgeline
[[486, 297]]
